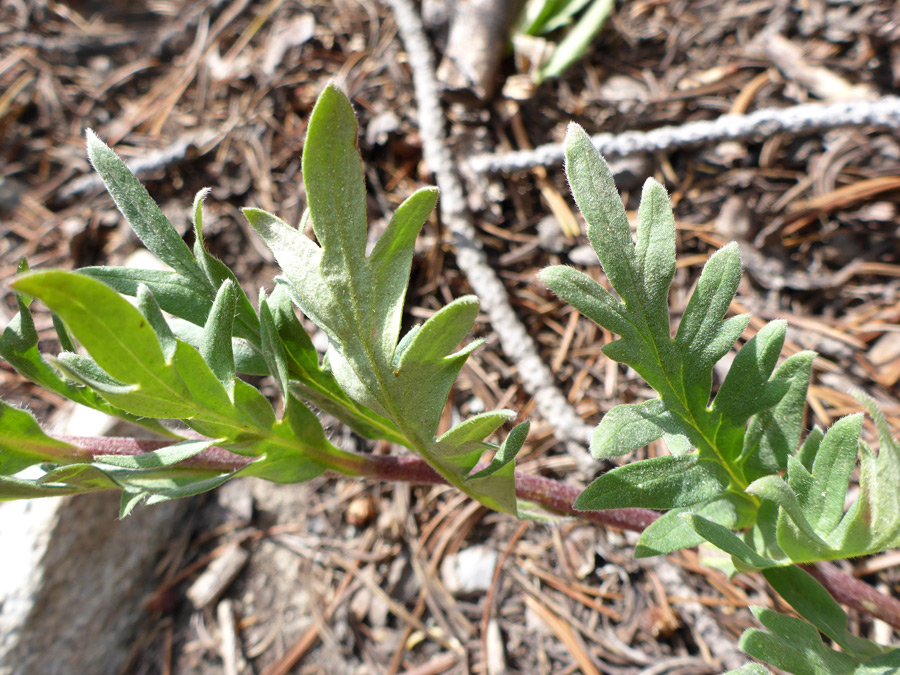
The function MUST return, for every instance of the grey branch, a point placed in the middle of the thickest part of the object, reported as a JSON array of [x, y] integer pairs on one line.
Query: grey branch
[[514, 339], [800, 119]]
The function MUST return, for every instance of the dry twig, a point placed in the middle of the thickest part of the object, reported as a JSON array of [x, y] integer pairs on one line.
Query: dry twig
[[515, 340], [800, 119]]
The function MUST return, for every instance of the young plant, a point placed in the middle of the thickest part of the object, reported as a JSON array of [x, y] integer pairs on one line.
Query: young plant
[[583, 20], [139, 365], [737, 476]]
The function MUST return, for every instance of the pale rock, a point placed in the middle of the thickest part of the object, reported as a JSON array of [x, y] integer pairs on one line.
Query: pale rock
[[470, 571]]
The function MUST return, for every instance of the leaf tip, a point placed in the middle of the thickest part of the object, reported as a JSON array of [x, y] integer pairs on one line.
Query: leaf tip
[[94, 146], [92, 138]]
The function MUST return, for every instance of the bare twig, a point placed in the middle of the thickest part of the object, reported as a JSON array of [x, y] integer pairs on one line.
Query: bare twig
[[800, 119], [514, 339]]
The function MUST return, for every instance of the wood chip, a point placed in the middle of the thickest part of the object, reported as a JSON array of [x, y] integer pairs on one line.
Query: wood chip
[[217, 577]]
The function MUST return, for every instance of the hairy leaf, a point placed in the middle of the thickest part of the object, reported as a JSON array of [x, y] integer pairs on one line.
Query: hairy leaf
[[144, 216], [658, 483], [357, 300], [629, 427], [670, 532]]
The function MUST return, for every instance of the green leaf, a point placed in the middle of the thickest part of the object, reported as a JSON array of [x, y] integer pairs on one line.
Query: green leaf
[[679, 369], [607, 225], [811, 504], [659, 483], [543, 16], [66, 341], [84, 370], [17, 488], [150, 309], [216, 345], [506, 453], [427, 369], [797, 536], [811, 601], [216, 273], [655, 255], [670, 532], [19, 347], [316, 385], [273, 350], [723, 538], [831, 471], [296, 460], [744, 390], [116, 334], [336, 194], [189, 488], [470, 434], [886, 664], [872, 525], [793, 645], [391, 261], [806, 455], [774, 434], [177, 295], [24, 444], [589, 298], [357, 301], [125, 347], [577, 40], [702, 337], [297, 344], [142, 213], [247, 358], [628, 427]]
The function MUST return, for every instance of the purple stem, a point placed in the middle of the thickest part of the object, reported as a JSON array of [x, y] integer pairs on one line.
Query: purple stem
[[551, 494]]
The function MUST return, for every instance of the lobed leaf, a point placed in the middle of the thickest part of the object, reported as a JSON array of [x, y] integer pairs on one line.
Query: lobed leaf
[[792, 645], [357, 301], [744, 390], [607, 225], [812, 602], [391, 260]]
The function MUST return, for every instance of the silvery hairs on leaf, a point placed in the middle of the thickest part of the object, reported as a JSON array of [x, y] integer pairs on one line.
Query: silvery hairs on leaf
[[358, 301]]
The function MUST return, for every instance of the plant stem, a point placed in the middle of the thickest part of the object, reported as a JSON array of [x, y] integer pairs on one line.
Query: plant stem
[[553, 495], [213, 459]]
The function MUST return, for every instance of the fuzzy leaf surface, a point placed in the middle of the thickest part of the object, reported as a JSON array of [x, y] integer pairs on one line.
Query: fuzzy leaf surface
[[357, 300], [679, 368], [659, 483]]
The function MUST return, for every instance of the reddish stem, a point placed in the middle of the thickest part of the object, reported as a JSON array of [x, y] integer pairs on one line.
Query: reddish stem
[[855, 593], [550, 494], [212, 459]]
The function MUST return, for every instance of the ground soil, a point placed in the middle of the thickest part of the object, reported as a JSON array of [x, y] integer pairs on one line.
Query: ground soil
[[345, 576]]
